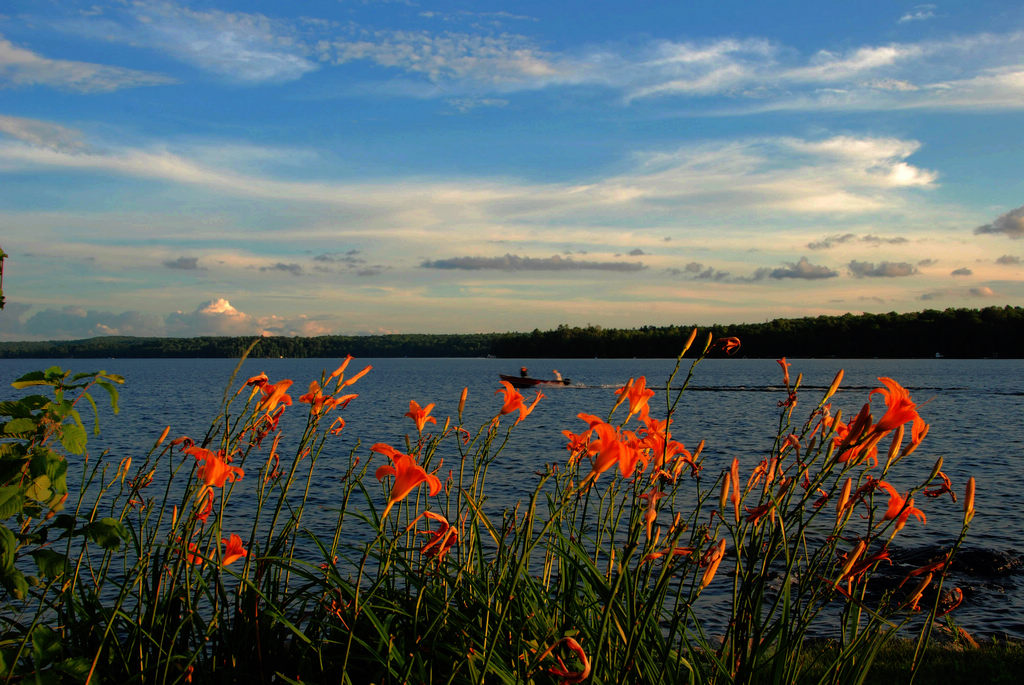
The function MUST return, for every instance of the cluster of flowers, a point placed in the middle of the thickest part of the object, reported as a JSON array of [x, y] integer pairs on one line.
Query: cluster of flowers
[[644, 449]]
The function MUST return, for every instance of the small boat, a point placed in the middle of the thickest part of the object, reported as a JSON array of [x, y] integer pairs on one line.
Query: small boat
[[527, 382]]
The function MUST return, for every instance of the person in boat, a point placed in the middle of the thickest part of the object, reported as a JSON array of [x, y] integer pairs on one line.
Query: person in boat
[[558, 376], [523, 372]]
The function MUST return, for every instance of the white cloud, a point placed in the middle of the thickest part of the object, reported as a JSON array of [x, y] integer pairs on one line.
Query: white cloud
[[241, 46], [780, 176], [42, 134], [22, 67], [754, 74], [919, 13], [216, 317], [971, 72], [500, 60], [829, 67]]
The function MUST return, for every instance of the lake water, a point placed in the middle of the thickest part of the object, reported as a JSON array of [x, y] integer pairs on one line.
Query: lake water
[[975, 408]]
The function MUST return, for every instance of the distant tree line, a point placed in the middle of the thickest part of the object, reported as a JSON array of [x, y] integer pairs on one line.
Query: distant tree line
[[988, 332]]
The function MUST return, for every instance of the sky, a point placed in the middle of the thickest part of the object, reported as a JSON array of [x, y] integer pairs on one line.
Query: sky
[[179, 168]]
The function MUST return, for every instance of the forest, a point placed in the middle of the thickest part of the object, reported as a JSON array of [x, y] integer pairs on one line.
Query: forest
[[961, 333]]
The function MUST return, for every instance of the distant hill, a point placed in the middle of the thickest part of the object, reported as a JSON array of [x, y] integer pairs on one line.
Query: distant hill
[[966, 333]]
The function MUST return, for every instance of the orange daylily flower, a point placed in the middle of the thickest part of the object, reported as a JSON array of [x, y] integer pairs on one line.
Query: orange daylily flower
[[728, 345], [193, 556], [937, 565], [900, 508], [258, 381], [611, 448], [514, 401], [577, 444], [561, 671], [637, 394], [658, 441], [319, 402], [204, 510], [408, 474], [899, 408], [785, 370], [946, 486], [420, 415], [274, 395], [233, 550], [441, 540], [755, 515], [214, 467]]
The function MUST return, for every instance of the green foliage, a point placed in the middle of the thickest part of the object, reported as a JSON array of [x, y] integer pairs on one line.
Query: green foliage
[[33, 489]]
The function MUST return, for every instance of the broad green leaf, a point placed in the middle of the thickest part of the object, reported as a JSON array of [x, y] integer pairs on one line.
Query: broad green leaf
[[112, 391], [8, 544], [46, 646], [14, 581], [39, 489], [11, 499], [107, 532], [45, 460], [77, 667], [60, 408], [31, 378], [19, 426], [73, 438], [56, 373], [95, 414], [112, 377], [57, 468], [50, 563], [23, 407]]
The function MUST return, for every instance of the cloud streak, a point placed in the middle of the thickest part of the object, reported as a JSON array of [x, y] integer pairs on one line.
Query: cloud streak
[[511, 262], [785, 175], [238, 46], [833, 240], [20, 67]]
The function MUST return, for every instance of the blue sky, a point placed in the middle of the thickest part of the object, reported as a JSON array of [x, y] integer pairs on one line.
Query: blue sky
[[350, 167]]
